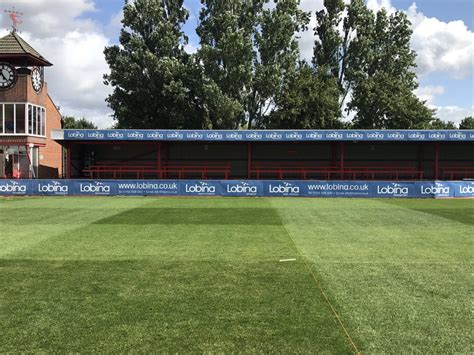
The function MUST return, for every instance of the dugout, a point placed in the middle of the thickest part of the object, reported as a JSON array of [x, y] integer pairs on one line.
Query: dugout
[[321, 155]]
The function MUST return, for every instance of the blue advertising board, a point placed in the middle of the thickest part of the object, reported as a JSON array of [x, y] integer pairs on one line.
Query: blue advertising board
[[267, 135], [263, 188]]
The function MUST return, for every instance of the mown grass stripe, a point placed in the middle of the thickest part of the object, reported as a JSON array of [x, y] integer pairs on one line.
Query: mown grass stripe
[[318, 285]]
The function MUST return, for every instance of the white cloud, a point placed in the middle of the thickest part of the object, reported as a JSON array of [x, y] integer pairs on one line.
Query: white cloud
[[446, 113], [191, 48], [442, 46], [101, 119], [377, 5], [75, 46], [47, 18], [76, 77], [429, 93], [446, 47], [115, 25], [453, 113]]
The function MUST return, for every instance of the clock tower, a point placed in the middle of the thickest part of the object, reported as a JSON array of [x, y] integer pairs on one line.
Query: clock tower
[[27, 113]]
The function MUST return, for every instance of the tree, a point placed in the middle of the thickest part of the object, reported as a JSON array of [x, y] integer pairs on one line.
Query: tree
[[467, 123], [380, 75], [70, 122], [440, 124], [225, 32], [330, 48], [249, 53], [152, 76], [276, 62], [308, 102], [372, 62]]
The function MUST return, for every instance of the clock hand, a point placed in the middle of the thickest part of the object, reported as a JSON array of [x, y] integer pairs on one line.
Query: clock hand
[[3, 76]]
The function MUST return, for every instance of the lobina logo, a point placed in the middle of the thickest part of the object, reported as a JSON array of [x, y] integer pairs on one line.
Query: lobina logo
[[394, 189], [97, 188], [242, 188], [466, 189], [115, 135], [233, 135], [314, 135], [285, 188], [75, 134], [202, 188], [53, 187], [95, 135], [435, 190], [13, 187], [155, 135]]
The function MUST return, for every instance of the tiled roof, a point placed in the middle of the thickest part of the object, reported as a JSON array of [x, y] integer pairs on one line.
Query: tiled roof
[[13, 44]]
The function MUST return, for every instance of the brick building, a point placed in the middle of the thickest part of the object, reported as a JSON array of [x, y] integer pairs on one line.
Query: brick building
[[27, 114]]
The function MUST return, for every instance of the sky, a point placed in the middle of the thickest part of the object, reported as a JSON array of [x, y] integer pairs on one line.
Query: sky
[[72, 34]]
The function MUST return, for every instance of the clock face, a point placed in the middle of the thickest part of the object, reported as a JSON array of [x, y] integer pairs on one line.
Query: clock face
[[36, 79], [7, 76]]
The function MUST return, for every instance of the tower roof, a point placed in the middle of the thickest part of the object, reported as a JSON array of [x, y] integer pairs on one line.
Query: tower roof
[[16, 50]]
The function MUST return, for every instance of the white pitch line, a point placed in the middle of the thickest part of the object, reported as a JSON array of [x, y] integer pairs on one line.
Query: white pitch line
[[283, 260]]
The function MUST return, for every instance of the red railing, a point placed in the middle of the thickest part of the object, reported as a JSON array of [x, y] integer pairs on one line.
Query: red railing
[[457, 172], [165, 171], [306, 170]]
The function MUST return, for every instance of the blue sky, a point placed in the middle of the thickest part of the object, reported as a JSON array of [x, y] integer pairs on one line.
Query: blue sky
[[73, 33], [445, 10]]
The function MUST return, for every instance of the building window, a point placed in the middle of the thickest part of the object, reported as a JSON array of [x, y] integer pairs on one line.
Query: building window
[[22, 119], [30, 119], [43, 122], [35, 120], [9, 118]]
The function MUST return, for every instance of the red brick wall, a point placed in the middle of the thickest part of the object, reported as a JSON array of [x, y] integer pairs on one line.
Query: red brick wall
[[51, 155], [50, 162]]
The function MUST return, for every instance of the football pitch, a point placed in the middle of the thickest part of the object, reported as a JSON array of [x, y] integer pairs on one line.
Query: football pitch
[[272, 275]]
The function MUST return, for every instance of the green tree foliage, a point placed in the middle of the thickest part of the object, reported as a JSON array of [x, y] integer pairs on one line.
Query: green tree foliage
[[153, 80], [440, 124], [226, 53], [248, 70], [467, 123], [372, 61], [70, 122], [381, 77], [250, 53], [308, 101], [276, 62], [330, 47]]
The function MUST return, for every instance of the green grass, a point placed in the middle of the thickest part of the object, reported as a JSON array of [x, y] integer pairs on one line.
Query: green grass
[[203, 275]]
